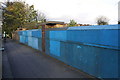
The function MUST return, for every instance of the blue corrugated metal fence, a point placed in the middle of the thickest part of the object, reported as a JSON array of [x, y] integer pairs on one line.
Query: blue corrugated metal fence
[[92, 49]]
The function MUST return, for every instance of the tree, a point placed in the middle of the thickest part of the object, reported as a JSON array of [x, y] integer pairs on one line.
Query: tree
[[72, 23], [102, 20], [13, 16], [16, 14], [31, 14], [41, 17]]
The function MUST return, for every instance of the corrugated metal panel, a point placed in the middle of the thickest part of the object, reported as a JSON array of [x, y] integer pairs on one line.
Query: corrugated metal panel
[[99, 62], [47, 34], [40, 44], [37, 34], [102, 38], [22, 39], [95, 27], [108, 61], [58, 35], [29, 33], [35, 43], [55, 48], [30, 41], [26, 40], [79, 56], [20, 32], [47, 47], [24, 33]]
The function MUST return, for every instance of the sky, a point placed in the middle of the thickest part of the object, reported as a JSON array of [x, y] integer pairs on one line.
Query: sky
[[82, 11]]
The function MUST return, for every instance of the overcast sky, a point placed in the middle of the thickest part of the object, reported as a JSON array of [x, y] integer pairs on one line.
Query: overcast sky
[[82, 11]]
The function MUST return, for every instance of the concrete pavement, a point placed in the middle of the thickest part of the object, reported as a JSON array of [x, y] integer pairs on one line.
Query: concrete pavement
[[20, 61]]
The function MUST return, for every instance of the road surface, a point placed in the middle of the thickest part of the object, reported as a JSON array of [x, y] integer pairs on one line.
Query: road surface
[[21, 61]]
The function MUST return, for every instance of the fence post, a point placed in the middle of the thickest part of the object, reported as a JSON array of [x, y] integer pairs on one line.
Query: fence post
[[43, 38]]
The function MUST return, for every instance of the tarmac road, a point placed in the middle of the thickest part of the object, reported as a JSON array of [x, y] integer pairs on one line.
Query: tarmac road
[[21, 61]]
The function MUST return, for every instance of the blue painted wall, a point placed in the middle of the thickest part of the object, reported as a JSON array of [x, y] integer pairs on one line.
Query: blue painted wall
[[92, 49]]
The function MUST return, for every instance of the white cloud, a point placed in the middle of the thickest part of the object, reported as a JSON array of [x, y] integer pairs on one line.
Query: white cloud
[[83, 11]]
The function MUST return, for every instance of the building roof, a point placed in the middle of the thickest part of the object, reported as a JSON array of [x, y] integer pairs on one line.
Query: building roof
[[54, 22]]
